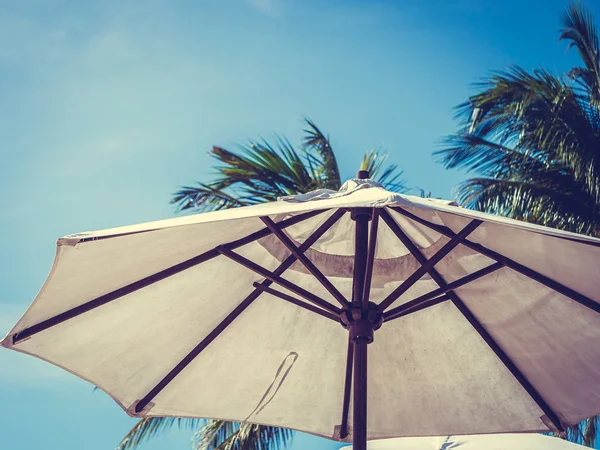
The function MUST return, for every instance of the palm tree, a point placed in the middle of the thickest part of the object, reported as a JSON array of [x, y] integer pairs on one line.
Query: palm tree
[[532, 140], [259, 172]]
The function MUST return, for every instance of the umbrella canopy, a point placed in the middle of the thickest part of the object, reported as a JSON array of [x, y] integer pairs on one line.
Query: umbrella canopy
[[478, 442], [478, 324]]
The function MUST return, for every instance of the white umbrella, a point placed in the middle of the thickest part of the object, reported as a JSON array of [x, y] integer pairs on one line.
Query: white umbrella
[[489, 325], [478, 442]]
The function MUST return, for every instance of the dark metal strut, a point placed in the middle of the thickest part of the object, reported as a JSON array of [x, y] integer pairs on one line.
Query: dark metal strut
[[347, 390], [295, 301], [409, 308], [426, 299], [370, 259]]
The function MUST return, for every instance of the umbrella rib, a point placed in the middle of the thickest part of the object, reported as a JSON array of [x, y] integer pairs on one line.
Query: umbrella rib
[[517, 267], [401, 310], [483, 333], [418, 307], [422, 270], [347, 390], [286, 264], [151, 279], [370, 258], [295, 301], [225, 251], [306, 262]]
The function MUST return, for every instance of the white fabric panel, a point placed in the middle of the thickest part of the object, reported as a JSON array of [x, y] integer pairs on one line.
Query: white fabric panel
[[125, 347], [430, 371], [421, 287], [230, 377], [552, 339], [85, 271], [461, 262], [432, 210], [422, 236], [573, 264], [522, 441]]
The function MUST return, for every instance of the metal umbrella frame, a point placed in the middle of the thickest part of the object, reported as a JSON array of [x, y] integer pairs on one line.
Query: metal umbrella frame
[[358, 315]]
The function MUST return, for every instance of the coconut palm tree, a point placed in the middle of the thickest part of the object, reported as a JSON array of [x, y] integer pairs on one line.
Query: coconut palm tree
[[532, 139], [259, 172], [532, 142]]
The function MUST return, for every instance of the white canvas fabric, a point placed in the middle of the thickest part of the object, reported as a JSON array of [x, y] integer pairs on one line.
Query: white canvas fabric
[[478, 442], [430, 372]]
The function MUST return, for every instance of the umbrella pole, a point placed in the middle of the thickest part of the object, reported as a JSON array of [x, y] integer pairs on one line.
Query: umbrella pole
[[359, 429], [361, 330]]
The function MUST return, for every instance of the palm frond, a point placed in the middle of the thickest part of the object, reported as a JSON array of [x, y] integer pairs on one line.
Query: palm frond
[[477, 154], [527, 201], [316, 140], [222, 435], [149, 427], [205, 197], [579, 29], [259, 172], [534, 135], [584, 433], [590, 431], [388, 175]]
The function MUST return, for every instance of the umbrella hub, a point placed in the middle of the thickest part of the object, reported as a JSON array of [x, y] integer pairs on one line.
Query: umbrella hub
[[360, 323]]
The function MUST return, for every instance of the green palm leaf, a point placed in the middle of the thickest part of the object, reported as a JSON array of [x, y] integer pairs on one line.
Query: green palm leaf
[[222, 435], [387, 174], [315, 140], [579, 30], [531, 130], [149, 427], [261, 171]]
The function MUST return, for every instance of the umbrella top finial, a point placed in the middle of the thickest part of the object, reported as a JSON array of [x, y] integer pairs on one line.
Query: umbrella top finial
[[362, 174]]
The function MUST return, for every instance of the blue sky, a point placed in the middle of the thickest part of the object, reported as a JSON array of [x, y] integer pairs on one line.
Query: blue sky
[[106, 107]]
